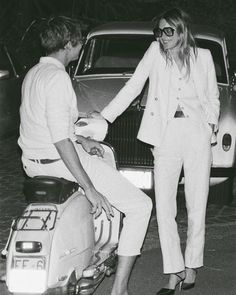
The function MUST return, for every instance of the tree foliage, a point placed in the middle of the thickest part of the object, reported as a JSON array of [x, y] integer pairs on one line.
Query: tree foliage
[[17, 15]]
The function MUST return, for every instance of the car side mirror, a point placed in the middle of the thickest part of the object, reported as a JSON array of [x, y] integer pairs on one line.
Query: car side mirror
[[4, 74]]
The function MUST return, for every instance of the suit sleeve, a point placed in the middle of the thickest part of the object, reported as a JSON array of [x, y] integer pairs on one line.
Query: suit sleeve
[[132, 88], [213, 92]]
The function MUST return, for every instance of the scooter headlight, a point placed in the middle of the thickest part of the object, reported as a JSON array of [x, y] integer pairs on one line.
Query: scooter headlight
[[28, 246]]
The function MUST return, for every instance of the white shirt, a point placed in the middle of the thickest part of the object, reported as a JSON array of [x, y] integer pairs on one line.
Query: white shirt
[[183, 95], [48, 110]]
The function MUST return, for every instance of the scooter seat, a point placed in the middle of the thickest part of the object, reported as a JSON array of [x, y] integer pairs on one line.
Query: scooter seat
[[48, 189]]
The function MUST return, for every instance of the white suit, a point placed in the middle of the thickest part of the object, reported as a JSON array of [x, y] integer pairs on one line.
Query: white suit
[[153, 66], [176, 144]]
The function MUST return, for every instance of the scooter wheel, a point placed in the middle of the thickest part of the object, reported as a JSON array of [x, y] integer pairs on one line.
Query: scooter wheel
[[111, 264], [72, 286], [71, 290]]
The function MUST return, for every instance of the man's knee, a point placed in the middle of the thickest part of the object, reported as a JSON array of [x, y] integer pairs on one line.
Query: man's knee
[[147, 206], [142, 207]]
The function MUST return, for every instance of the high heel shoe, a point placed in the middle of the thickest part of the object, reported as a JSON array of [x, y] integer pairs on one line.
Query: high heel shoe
[[188, 286], [166, 291]]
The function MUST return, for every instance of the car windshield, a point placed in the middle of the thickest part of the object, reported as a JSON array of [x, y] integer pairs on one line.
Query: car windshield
[[110, 54], [120, 54]]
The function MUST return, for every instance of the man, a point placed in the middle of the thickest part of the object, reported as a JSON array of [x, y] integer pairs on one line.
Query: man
[[50, 146]]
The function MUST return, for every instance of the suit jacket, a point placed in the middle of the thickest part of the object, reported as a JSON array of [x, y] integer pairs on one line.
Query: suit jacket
[[153, 66]]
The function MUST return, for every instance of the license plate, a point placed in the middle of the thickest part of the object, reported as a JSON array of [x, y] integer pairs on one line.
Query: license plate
[[29, 263]]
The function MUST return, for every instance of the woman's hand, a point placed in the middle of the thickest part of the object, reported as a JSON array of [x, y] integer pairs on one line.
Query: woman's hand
[[99, 202], [212, 126], [92, 147]]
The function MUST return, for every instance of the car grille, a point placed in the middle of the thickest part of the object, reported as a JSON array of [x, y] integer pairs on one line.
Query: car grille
[[122, 135]]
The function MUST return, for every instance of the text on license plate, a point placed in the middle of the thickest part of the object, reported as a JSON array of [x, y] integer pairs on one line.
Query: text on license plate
[[29, 262]]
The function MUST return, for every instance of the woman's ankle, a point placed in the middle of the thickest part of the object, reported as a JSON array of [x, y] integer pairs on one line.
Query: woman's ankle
[[191, 274], [175, 279]]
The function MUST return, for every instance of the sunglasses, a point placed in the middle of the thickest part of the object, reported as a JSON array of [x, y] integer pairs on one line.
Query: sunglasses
[[158, 32]]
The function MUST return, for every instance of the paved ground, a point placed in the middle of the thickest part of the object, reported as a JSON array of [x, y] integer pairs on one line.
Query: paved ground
[[216, 278]]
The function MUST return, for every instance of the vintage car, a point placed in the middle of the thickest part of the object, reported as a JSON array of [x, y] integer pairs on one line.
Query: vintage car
[[11, 73], [108, 59]]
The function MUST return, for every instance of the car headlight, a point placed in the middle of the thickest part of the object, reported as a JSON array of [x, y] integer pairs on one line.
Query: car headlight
[[226, 142]]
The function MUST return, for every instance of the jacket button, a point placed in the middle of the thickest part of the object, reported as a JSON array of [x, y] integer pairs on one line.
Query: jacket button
[[156, 98], [152, 114]]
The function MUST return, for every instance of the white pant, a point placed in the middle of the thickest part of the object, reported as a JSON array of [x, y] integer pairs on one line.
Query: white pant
[[119, 191], [186, 144]]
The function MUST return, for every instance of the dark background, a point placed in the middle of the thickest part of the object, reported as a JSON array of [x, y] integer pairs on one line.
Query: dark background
[[19, 18]]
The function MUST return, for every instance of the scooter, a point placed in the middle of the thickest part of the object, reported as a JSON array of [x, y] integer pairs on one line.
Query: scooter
[[57, 243]]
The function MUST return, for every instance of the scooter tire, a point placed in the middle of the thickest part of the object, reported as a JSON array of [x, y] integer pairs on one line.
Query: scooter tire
[[111, 264], [72, 287]]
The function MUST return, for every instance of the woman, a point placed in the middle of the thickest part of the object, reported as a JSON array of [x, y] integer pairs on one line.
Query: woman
[[180, 121]]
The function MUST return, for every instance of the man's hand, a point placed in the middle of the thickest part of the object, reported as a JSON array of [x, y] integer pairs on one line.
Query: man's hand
[[92, 147], [98, 202], [70, 157]]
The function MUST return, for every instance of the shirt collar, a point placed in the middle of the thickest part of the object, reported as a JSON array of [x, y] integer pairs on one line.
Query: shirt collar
[[51, 60]]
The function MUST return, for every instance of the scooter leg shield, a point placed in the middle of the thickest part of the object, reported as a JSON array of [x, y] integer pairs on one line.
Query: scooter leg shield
[[49, 242], [73, 241]]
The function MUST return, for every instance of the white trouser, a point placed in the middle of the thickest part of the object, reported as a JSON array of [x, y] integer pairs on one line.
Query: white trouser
[[186, 144], [119, 191]]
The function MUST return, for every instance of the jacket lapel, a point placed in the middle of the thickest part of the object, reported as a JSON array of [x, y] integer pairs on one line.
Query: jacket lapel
[[163, 86], [197, 71]]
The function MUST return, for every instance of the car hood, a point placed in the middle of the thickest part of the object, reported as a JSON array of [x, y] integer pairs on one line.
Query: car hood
[[94, 93]]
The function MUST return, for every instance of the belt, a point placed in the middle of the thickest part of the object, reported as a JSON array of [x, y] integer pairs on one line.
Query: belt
[[44, 161], [179, 114]]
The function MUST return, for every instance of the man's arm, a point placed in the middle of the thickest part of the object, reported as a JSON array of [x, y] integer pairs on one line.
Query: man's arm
[[71, 159]]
